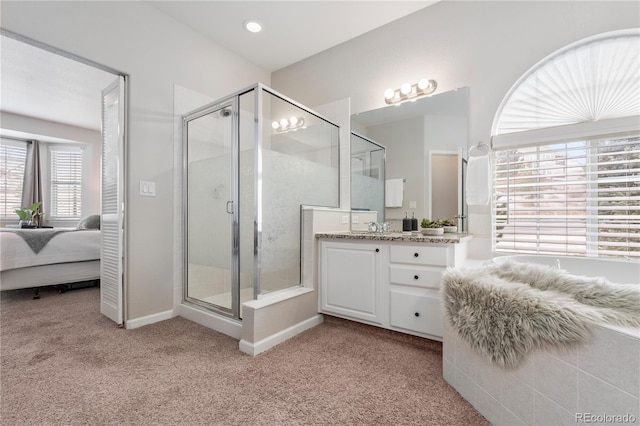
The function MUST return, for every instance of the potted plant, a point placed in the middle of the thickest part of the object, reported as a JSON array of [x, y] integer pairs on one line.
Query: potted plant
[[431, 227], [26, 214], [448, 225]]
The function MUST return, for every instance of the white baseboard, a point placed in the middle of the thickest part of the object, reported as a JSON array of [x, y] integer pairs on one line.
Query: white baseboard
[[149, 319], [279, 337]]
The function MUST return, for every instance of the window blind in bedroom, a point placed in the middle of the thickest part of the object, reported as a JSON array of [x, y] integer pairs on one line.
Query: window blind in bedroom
[[569, 198], [66, 183], [12, 160]]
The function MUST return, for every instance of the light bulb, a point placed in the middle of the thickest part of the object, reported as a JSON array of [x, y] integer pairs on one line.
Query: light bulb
[[405, 89], [284, 123], [252, 26], [275, 125], [293, 121], [423, 84], [389, 93]]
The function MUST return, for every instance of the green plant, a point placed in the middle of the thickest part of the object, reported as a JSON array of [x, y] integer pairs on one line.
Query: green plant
[[428, 223], [447, 222], [27, 213]]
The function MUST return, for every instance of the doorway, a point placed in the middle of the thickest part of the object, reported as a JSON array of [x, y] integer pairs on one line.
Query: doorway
[[445, 190], [50, 105]]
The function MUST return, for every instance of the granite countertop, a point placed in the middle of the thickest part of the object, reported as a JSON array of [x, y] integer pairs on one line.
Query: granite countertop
[[447, 238]]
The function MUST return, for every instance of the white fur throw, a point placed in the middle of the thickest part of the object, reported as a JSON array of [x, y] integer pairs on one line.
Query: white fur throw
[[506, 311]]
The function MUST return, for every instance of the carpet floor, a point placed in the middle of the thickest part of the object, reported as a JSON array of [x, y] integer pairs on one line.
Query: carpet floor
[[63, 363]]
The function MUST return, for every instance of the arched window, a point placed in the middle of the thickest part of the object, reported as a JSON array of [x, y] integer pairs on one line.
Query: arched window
[[567, 152]]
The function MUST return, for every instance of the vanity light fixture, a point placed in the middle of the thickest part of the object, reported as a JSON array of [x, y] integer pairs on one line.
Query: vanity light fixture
[[410, 91], [252, 26], [287, 124]]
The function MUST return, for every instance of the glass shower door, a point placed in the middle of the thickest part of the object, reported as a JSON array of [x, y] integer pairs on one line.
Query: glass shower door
[[212, 211]]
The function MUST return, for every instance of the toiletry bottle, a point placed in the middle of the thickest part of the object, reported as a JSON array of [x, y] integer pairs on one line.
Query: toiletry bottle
[[406, 223], [414, 222]]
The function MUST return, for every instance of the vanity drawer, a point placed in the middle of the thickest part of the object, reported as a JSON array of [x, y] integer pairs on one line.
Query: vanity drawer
[[421, 313], [419, 255], [415, 276]]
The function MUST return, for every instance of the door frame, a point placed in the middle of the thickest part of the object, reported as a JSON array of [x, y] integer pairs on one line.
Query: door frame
[[124, 162], [229, 102]]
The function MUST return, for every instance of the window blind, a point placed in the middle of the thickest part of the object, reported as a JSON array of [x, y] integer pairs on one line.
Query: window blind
[[570, 198], [66, 183], [592, 80], [12, 160]]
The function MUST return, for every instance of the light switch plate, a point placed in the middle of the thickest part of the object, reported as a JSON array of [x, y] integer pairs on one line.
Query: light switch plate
[[412, 204], [147, 189], [354, 219], [345, 219]]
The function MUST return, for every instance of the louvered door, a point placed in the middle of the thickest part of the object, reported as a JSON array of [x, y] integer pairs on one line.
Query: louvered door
[[111, 249]]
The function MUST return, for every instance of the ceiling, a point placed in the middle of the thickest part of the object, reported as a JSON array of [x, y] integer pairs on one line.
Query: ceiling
[[292, 30], [40, 84]]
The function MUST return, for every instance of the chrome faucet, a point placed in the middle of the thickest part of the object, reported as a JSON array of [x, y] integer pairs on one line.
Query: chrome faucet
[[378, 227]]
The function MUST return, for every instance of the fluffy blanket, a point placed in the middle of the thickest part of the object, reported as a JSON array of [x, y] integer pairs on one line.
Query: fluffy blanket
[[505, 311]]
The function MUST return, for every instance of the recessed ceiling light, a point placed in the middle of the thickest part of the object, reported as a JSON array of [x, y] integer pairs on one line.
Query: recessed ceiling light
[[252, 26]]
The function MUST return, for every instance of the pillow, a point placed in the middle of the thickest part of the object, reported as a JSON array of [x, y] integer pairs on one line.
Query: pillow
[[89, 222]]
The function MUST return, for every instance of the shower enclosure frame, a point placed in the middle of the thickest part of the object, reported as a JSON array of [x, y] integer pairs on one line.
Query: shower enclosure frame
[[384, 170], [233, 100]]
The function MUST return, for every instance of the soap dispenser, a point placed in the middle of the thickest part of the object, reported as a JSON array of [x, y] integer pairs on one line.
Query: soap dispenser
[[406, 223], [414, 223]]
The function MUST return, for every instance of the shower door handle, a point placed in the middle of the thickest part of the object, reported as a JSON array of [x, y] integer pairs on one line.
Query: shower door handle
[[230, 207]]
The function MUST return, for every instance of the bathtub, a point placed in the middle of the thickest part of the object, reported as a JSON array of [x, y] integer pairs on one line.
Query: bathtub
[[616, 271], [595, 383]]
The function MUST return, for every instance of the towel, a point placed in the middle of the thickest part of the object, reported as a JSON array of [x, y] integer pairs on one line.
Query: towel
[[478, 180], [393, 189]]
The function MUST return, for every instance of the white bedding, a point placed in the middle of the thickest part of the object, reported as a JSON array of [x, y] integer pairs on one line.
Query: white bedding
[[65, 247]]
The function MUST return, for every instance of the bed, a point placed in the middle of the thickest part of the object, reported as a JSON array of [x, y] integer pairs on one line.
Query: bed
[[68, 256]]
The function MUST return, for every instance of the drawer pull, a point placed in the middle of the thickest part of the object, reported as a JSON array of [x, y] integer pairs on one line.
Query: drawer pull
[[415, 277], [417, 314], [377, 250], [415, 254]]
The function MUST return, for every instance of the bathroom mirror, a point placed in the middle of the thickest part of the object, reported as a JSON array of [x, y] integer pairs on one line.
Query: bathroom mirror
[[367, 175], [426, 144]]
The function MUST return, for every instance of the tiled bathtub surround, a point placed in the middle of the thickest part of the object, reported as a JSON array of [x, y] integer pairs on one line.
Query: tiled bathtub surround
[[601, 378]]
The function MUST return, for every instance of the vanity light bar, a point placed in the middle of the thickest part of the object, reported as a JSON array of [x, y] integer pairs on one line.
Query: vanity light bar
[[410, 91], [287, 124]]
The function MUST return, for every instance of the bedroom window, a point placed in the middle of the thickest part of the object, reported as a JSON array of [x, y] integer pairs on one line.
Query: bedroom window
[[566, 142], [12, 160], [66, 183]]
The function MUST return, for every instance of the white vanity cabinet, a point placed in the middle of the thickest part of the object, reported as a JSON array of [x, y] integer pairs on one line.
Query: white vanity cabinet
[[414, 286], [397, 287], [351, 280]]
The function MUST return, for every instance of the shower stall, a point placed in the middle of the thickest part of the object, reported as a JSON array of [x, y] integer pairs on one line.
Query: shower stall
[[250, 161]]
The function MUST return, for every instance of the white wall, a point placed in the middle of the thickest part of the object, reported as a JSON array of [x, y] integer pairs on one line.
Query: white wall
[[483, 45], [404, 140], [156, 52]]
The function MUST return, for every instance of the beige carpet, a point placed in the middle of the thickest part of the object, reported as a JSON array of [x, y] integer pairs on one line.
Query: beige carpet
[[62, 363]]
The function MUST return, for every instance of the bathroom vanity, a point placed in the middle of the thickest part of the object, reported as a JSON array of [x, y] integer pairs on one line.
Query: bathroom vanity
[[388, 280]]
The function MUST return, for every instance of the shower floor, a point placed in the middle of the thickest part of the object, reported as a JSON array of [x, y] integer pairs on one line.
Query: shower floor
[[224, 299], [213, 285]]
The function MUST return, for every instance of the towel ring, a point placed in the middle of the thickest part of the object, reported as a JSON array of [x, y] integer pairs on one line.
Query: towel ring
[[479, 150]]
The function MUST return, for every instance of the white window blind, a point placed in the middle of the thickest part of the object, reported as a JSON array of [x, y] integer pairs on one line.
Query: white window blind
[[592, 80], [66, 183], [571, 198], [12, 160]]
